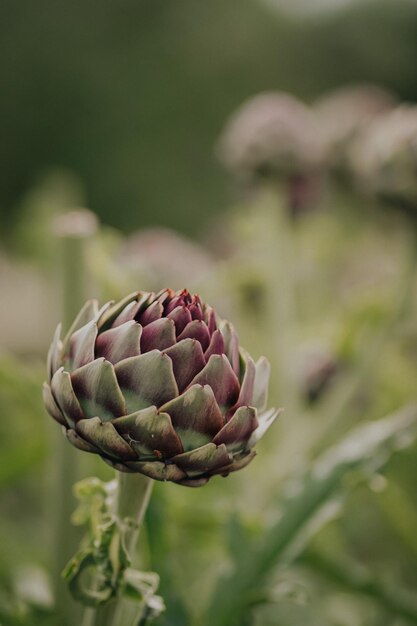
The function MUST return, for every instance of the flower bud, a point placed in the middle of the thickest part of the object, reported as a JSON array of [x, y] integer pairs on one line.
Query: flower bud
[[158, 384]]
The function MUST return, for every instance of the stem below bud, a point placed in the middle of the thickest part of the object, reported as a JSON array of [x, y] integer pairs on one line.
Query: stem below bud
[[133, 495]]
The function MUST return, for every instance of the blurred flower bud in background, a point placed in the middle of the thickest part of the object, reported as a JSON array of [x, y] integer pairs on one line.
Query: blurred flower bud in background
[[345, 113], [273, 137], [385, 158], [160, 256], [316, 370], [24, 326]]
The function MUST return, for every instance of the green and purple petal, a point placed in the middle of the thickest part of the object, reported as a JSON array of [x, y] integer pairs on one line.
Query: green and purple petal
[[150, 432], [97, 390], [81, 345], [80, 443], [52, 407], [207, 458], [158, 335], [88, 313], [236, 433], [196, 329], [210, 317], [265, 421], [146, 380], [195, 416], [104, 436], [218, 374], [54, 353], [152, 313], [114, 310], [132, 311], [260, 391], [239, 462], [246, 389], [158, 470], [120, 342], [231, 343], [187, 360], [216, 345], [181, 317], [64, 395], [194, 482]]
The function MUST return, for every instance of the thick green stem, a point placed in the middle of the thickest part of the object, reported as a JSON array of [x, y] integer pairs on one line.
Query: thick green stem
[[133, 498], [278, 244], [277, 253], [74, 231], [134, 492]]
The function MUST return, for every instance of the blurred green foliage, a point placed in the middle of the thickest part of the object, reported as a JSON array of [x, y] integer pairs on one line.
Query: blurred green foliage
[[341, 552], [118, 106]]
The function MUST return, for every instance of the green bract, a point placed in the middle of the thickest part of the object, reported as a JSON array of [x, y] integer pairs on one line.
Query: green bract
[[157, 384]]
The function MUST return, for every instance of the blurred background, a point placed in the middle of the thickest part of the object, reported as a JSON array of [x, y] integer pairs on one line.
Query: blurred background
[[119, 107], [129, 97]]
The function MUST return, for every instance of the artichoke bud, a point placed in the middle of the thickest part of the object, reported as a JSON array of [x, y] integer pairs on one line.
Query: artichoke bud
[[158, 384]]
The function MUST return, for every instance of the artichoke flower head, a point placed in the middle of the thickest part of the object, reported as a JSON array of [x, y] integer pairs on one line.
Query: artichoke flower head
[[158, 384]]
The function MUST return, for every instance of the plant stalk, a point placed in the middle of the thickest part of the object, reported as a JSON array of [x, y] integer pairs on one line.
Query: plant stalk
[[278, 243], [133, 495], [74, 231]]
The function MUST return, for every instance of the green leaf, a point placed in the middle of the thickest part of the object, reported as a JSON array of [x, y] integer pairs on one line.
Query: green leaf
[[366, 447], [139, 585], [353, 577], [399, 512], [101, 569]]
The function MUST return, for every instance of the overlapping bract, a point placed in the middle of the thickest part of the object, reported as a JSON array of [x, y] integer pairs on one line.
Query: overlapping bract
[[157, 384]]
